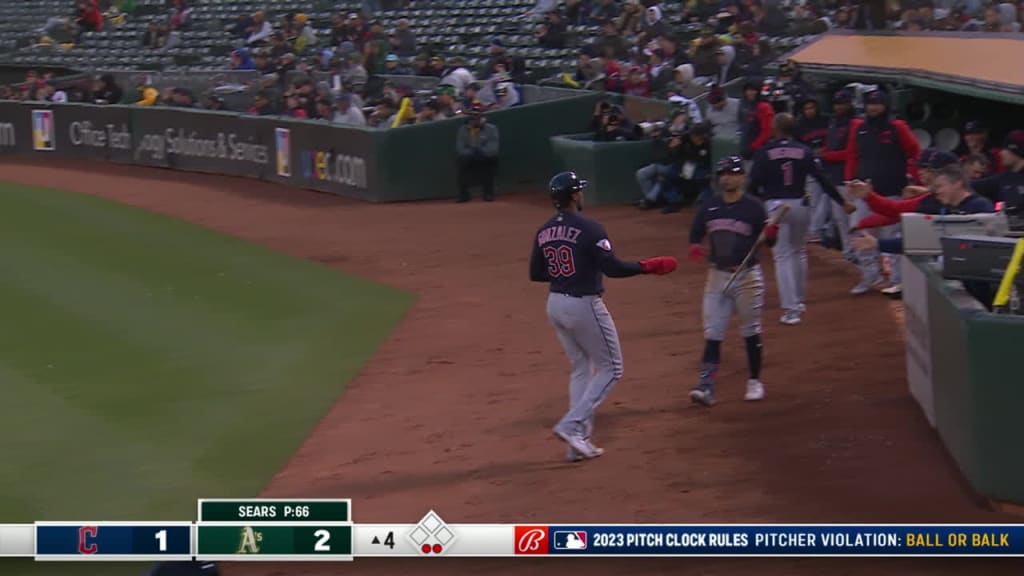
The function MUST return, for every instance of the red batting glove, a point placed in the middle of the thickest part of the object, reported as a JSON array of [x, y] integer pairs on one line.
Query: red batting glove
[[658, 265], [771, 232], [697, 252]]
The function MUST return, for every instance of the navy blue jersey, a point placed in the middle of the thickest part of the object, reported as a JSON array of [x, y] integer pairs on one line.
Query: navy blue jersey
[[1005, 187], [573, 253], [780, 170], [732, 229]]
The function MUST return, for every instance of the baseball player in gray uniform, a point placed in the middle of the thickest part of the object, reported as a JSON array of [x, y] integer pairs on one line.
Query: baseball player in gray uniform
[[572, 254], [733, 222], [779, 175]]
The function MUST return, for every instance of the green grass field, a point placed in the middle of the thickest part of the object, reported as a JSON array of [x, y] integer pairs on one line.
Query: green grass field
[[146, 362]]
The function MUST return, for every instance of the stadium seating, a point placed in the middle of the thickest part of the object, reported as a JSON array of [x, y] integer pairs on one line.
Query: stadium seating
[[449, 27]]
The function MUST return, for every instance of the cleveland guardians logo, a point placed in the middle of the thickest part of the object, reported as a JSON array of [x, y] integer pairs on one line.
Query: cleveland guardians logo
[[283, 147], [531, 539], [86, 539], [42, 130]]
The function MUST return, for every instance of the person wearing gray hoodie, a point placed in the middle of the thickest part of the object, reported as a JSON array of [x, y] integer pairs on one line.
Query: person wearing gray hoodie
[[724, 114], [1008, 18]]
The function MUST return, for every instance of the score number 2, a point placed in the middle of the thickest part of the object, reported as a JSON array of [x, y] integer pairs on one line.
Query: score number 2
[[560, 261], [323, 537]]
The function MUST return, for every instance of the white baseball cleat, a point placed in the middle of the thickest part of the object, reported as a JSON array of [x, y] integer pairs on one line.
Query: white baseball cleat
[[755, 391], [574, 456], [866, 285], [579, 444], [790, 318], [801, 308], [894, 291]]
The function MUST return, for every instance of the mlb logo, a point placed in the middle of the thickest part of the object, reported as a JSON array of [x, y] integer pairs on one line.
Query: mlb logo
[[570, 540], [282, 144], [42, 130]]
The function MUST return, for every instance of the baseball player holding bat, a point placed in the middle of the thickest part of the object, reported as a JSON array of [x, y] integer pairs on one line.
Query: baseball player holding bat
[[572, 254], [734, 223]]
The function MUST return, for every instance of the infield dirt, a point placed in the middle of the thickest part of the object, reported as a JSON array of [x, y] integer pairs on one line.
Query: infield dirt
[[454, 412]]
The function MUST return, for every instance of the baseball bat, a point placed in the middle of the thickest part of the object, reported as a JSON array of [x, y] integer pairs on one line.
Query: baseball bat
[[757, 244]]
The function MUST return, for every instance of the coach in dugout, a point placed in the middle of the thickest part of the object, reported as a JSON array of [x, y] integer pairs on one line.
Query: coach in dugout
[[1008, 186], [885, 211], [880, 149], [950, 194]]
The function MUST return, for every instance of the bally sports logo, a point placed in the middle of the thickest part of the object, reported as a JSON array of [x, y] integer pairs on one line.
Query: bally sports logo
[[531, 539]]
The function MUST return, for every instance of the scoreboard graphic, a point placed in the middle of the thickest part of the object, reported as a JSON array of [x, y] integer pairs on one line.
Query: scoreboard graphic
[[322, 530]]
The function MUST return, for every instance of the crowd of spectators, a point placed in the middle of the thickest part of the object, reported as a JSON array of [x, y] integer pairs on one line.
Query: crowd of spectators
[[354, 76], [639, 51]]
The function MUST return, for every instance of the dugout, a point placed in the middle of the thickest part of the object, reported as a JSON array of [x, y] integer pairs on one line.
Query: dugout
[[960, 367]]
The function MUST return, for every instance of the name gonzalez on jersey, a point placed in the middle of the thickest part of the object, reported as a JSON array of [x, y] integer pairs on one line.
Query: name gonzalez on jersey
[[558, 233]]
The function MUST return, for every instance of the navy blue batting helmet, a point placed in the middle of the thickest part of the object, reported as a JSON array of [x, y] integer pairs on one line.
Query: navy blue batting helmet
[[730, 165], [563, 185]]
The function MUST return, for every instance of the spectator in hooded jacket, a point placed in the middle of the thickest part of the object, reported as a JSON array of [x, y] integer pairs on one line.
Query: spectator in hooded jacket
[[653, 25], [723, 113], [880, 149], [724, 57], [346, 113]]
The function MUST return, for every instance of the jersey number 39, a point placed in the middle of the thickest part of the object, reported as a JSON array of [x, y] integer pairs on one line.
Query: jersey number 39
[[560, 261]]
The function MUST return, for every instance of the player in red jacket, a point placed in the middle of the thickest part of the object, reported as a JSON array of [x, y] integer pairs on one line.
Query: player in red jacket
[[756, 117], [880, 149], [885, 211]]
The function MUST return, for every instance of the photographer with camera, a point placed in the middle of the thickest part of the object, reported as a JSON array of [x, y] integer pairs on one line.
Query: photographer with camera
[[659, 180], [609, 124], [695, 175]]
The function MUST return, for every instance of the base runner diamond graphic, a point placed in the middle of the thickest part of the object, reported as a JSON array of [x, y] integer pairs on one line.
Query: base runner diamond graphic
[[431, 536]]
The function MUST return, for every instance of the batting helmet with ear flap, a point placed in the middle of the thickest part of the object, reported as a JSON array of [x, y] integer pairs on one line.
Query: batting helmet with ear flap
[[730, 165], [562, 186]]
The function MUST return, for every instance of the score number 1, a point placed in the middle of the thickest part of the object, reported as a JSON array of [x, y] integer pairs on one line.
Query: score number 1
[[161, 539]]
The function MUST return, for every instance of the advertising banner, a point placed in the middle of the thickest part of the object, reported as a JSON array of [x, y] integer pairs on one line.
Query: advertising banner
[[329, 158], [86, 131], [15, 129], [203, 141]]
